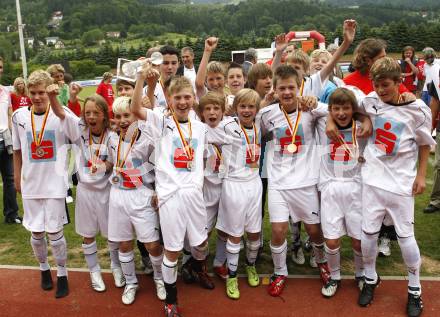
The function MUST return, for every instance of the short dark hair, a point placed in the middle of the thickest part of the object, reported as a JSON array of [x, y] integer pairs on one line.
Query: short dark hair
[[187, 49], [169, 50], [341, 96], [258, 71], [284, 72], [234, 65]]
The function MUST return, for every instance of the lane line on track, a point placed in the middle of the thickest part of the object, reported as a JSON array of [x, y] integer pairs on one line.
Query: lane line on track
[[345, 277]]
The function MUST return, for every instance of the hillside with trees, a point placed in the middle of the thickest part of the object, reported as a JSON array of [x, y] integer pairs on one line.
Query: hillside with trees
[[100, 31]]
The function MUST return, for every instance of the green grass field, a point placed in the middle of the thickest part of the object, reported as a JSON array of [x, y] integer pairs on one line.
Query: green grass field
[[15, 247]]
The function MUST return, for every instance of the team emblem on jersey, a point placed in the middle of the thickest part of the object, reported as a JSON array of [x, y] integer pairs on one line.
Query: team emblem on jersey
[[179, 157], [387, 134], [339, 154], [131, 175], [284, 137], [46, 151]]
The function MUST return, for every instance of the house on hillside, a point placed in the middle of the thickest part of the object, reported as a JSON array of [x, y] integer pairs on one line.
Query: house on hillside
[[114, 35], [59, 45], [57, 16], [30, 41], [56, 19], [52, 40]]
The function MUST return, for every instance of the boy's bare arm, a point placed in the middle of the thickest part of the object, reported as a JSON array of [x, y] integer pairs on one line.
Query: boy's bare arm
[[280, 45], [349, 33], [210, 46], [17, 169], [420, 181], [149, 74], [52, 92]]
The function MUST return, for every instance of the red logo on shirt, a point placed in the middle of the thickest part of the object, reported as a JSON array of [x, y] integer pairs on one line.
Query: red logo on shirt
[[42, 152], [338, 152], [131, 177], [285, 141], [385, 139], [180, 158]]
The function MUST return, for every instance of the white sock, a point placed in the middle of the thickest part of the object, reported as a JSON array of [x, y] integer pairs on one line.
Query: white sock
[[156, 263], [358, 263], [220, 251], [334, 262], [128, 267], [318, 251], [252, 248], [411, 257], [59, 251], [113, 248], [232, 255], [169, 271], [91, 255], [369, 254], [279, 254], [39, 245]]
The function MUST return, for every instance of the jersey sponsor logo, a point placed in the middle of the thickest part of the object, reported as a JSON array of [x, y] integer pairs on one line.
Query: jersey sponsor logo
[[131, 174], [284, 139], [387, 135], [178, 158], [253, 151], [338, 153], [46, 152]]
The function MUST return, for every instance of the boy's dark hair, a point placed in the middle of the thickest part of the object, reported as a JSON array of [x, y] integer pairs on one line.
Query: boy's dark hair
[[235, 65], [368, 48], [121, 82], [169, 50], [258, 71], [341, 96], [385, 68], [284, 72]]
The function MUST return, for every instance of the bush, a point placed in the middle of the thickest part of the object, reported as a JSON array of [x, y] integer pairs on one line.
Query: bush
[[87, 69]]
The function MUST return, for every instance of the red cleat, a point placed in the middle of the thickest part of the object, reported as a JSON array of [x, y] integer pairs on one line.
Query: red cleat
[[324, 271], [221, 271], [276, 286]]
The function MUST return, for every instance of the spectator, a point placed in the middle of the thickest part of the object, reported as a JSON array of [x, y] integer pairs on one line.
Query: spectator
[[20, 96], [431, 71], [188, 69], [10, 207], [409, 69], [105, 89], [57, 71], [250, 58]]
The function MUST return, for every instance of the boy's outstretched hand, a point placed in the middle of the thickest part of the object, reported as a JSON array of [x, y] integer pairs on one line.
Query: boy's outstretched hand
[[280, 42], [349, 30]]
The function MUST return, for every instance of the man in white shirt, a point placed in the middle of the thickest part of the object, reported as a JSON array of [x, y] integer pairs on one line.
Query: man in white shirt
[[188, 69], [10, 207]]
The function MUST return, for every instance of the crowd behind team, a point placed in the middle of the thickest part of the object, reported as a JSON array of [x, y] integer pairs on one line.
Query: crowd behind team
[[185, 151]]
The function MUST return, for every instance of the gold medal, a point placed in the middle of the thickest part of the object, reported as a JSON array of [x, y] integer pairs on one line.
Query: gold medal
[[95, 156], [115, 179], [39, 151], [292, 148], [361, 159], [93, 169], [189, 166], [249, 152]]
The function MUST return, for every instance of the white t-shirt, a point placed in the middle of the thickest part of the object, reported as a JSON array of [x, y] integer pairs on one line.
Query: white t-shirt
[[336, 162], [191, 74], [286, 170], [241, 162], [432, 74], [313, 86], [43, 175], [172, 167], [5, 103], [213, 164], [78, 133], [392, 151]]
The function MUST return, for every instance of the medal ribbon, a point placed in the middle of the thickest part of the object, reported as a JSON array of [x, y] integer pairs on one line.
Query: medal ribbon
[[293, 130], [301, 89], [248, 142], [353, 137], [94, 158], [38, 140], [119, 163], [217, 152], [182, 137]]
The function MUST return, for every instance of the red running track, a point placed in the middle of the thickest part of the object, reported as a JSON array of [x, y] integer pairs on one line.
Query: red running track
[[21, 296]]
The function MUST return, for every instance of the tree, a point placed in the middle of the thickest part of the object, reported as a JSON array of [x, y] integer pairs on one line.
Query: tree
[[92, 37]]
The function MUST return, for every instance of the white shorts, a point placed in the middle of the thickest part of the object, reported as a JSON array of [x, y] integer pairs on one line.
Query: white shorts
[[240, 207], [44, 215], [379, 204], [91, 211], [341, 210], [130, 212], [301, 204], [211, 195], [183, 214]]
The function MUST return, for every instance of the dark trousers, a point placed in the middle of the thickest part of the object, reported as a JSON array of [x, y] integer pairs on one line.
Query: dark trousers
[[10, 207]]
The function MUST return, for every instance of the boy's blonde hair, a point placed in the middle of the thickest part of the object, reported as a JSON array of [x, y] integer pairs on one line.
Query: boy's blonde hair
[[246, 96], [17, 81], [101, 104], [385, 68], [39, 77], [179, 83], [55, 68], [211, 98], [342, 96], [299, 57], [106, 76], [215, 67], [121, 104], [320, 51]]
